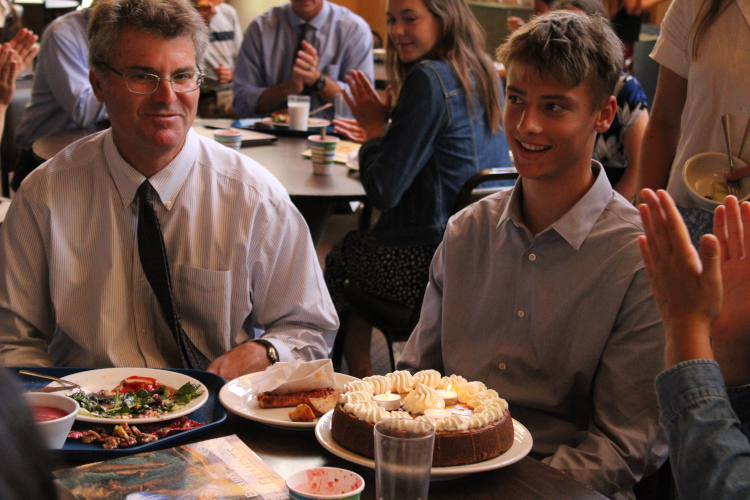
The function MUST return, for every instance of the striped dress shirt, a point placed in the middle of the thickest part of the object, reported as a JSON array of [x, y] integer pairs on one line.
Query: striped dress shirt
[[73, 292]]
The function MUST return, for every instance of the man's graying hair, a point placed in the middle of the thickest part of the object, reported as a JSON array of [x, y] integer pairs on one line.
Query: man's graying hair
[[167, 19], [571, 47]]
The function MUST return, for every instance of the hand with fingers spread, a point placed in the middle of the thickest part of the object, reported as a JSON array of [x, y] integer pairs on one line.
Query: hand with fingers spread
[[349, 128], [8, 66], [730, 334], [687, 288], [24, 49], [366, 105]]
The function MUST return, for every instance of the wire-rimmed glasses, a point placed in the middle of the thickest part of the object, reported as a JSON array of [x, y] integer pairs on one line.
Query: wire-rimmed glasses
[[146, 83]]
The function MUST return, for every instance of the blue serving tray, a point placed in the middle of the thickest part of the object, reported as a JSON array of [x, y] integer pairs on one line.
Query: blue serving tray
[[212, 414]]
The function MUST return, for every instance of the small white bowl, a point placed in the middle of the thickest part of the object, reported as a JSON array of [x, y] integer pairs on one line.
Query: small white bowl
[[702, 170], [325, 483], [56, 431]]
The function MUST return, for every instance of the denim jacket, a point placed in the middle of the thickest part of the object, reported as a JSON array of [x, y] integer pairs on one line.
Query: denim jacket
[[708, 427], [433, 145]]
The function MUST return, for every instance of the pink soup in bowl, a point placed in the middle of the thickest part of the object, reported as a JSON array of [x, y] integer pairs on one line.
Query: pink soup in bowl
[[54, 414]]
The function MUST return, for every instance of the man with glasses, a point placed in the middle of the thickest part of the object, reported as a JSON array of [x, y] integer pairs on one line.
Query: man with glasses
[[148, 245]]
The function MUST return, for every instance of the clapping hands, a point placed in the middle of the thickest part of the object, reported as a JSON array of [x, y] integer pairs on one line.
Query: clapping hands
[[370, 111], [14, 56], [701, 298]]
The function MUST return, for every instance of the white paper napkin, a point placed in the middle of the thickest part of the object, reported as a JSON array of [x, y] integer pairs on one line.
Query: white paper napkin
[[294, 376]]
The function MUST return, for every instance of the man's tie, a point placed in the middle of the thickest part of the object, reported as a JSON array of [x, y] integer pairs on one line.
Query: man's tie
[[153, 255], [307, 33]]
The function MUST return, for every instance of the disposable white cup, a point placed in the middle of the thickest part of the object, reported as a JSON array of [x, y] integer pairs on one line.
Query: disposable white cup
[[403, 459], [299, 111], [323, 153], [229, 138]]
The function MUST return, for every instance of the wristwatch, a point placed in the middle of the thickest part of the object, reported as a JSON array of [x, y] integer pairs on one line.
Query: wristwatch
[[319, 84], [271, 352]]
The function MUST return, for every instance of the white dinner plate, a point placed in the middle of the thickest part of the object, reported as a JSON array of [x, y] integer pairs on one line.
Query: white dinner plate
[[236, 397], [312, 123], [520, 448], [109, 378]]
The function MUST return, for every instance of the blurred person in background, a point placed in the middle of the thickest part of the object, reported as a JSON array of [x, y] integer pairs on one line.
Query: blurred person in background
[[445, 126], [221, 56], [302, 47], [618, 149], [61, 94], [702, 54]]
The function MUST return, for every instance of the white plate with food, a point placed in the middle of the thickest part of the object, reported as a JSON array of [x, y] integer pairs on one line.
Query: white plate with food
[[521, 447], [312, 123], [108, 379], [237, 398]]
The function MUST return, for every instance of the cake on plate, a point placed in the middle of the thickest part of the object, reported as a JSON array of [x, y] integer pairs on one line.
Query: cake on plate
[[472, 423]]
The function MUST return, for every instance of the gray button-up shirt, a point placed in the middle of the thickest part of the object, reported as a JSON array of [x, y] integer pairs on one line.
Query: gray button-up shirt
[[563, 325]]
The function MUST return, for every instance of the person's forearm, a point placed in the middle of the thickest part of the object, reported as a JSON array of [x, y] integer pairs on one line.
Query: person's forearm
[[663, 131], [274, 98], [328, 93], [657, 154]]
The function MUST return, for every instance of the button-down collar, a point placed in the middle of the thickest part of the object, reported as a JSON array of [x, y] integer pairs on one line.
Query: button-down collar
[[576, 223]]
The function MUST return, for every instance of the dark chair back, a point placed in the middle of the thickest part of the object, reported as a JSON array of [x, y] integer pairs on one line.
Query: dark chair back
[[397, 321]]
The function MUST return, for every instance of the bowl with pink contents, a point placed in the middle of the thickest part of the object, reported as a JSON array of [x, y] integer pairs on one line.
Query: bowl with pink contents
[[325, 483], [54, 415]]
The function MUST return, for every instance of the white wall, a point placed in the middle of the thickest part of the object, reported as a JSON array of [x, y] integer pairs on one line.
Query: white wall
[[247, 10]]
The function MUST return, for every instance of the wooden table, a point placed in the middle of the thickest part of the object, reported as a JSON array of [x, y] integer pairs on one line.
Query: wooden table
[[288, 451], [314, 195]]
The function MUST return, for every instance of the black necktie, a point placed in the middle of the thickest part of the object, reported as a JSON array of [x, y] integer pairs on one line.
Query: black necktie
[[153, 255], [306, 35]]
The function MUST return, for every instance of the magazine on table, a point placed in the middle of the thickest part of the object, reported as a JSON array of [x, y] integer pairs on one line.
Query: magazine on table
[[222, 468]]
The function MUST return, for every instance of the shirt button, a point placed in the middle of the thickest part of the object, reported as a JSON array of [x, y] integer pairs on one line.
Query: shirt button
[[501, 366], [143, 279], [521, 314], [744, 109], [532, 257], [145, 330]]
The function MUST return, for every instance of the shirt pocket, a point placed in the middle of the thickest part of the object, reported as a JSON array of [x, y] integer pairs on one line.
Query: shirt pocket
[[204, 304]]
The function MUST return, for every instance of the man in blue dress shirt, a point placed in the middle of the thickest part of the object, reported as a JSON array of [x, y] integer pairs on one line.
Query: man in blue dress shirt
[[61, 95], [305, 46]]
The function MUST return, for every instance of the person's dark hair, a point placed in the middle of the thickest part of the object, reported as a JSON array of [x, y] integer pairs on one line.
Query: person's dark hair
[[167, 19], [590, 7], [708, 13], [11, 22], [461, 44], [572, 47]]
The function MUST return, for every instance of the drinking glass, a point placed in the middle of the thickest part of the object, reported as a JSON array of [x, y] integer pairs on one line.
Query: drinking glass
[[403, 459]]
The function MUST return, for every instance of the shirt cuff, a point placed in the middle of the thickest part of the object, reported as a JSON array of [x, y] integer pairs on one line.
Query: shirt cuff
[[687, 384]]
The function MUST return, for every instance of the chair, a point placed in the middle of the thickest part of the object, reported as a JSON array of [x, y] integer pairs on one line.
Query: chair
[[397, 321], [645, 69]]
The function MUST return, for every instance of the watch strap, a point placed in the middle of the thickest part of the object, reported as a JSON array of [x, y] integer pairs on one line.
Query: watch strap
[[271, 352], [320, 83]]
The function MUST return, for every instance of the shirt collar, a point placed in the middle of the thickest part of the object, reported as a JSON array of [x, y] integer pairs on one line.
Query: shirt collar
[[577, 222], [167, 182], [316, 22]]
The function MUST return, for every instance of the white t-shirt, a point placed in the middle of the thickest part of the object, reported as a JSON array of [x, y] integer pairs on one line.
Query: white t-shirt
[[718, 83]]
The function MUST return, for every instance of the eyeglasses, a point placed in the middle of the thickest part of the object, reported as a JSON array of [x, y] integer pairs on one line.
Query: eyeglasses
[[145, 83]]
